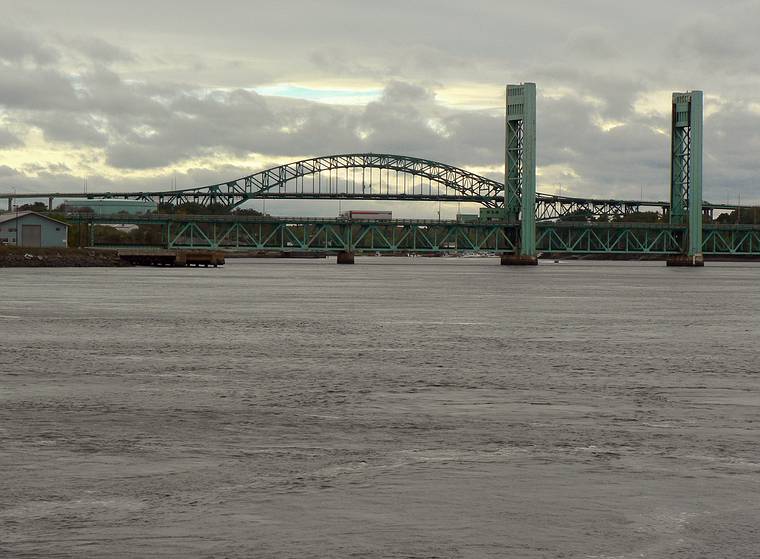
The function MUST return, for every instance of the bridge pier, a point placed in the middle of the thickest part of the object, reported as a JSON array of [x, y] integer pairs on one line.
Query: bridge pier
[[686, 260], [345, 258], [10, 204], [518, 260]]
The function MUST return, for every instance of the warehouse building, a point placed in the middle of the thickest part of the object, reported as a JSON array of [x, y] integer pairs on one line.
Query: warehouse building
[[30, 229]]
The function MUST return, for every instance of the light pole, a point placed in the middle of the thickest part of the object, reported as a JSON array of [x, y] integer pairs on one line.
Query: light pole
[[19, 240]]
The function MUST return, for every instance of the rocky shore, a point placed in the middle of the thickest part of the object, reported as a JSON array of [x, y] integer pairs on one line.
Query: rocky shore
[[16, 257]]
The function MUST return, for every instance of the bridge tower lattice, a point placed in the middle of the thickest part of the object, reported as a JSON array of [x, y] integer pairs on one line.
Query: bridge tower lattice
[[686, 173], [520, 169]]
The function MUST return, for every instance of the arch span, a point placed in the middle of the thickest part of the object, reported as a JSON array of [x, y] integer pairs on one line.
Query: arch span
[[346, 176], [368, 176]]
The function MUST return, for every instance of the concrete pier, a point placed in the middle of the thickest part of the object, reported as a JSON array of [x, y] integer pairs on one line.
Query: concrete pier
[[686, 260], [518, 260], [345, 258]]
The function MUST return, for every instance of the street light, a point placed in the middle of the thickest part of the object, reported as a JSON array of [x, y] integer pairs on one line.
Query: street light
[[18, 229]]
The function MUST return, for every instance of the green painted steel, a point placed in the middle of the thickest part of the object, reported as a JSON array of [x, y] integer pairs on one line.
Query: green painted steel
[[608, 238], [430, 236], [377, 177], [686, 168], [520, 163]]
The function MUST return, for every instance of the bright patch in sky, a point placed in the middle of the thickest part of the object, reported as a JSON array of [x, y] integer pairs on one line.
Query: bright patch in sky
[[332, 96], [654, 103]]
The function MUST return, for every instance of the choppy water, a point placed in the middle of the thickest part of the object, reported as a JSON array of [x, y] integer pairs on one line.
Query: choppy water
[[395, 408]]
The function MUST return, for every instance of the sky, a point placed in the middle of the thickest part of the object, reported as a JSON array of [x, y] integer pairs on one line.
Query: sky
[[142, 95]]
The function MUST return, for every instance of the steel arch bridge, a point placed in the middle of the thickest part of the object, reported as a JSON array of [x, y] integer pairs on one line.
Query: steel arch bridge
[[365, 176], [370, 176]]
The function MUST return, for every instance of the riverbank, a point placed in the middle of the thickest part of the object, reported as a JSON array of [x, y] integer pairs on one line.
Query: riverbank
[[27, 257]]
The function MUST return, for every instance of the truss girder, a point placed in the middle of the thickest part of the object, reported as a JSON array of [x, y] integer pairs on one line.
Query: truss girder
[[430, 236], [607, 239], [686, 168], [283, 181]]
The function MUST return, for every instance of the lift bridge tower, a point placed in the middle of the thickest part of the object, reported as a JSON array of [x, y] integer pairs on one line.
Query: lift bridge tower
[[686, 176], [520, 172]]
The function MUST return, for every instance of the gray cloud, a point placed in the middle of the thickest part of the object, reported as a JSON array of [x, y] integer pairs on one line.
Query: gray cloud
[[77, 129], [17, 46], [96, 49], [149, 93], [9, 140], [6, 171], [37, 89], [593, 42]]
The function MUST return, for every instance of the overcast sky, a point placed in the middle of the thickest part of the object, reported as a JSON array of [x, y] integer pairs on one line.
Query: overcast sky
[[132, 94]]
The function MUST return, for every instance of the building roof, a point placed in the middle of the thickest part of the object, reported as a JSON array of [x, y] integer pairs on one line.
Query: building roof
[[14, 215]]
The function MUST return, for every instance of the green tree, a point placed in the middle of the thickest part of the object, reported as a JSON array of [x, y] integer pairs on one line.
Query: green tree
[[749, 215], [35, 207], [579, 215]]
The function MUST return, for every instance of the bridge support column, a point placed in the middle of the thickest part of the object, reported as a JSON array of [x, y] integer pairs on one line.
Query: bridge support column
[[518, 260], [686, 175], [10, 204], [345, 258], [520, 172], [686, 260], [50, 204]]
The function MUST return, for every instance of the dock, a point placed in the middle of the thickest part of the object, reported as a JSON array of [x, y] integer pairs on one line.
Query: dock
[[161, 257]]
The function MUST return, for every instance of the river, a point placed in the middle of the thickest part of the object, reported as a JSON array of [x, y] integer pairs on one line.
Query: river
[[400, 407]]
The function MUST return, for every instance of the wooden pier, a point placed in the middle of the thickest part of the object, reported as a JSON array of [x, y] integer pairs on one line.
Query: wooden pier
[[161, 257]]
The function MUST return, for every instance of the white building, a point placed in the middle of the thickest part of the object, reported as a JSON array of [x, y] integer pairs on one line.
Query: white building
[[30, 229]]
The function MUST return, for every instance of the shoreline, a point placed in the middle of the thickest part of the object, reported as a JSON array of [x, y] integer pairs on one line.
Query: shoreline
[[29, 257]]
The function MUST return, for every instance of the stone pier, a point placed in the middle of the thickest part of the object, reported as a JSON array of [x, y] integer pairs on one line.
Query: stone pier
[[345, 258]]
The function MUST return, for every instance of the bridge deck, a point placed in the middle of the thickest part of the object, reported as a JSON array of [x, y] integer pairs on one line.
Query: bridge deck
[[330, 235]]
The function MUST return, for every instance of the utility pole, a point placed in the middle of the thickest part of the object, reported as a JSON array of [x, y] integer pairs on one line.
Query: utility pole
[[739, 208]]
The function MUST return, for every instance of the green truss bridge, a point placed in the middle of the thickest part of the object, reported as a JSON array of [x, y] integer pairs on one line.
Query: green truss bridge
[[518, 223], [336, 236]]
